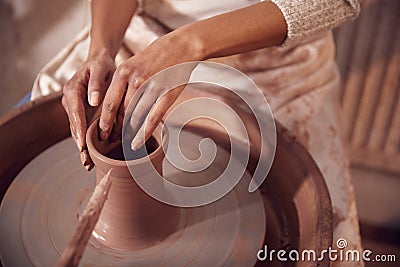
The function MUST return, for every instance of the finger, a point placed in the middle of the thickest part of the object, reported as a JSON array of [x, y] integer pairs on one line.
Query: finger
[[130, 100], [142, 108], [154, 118], [86, 160], [72, 130], [76, 112], [116, 131], [78, 120], [112, 102], [85, 157], [97, 84]]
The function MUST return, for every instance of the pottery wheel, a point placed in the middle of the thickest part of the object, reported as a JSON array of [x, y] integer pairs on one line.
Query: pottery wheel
[[40, 210]]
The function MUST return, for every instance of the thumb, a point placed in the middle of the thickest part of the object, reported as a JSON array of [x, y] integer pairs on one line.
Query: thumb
[[97, 84]]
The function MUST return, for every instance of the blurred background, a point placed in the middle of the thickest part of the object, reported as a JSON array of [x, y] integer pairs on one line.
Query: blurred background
[[368, 54], [31, 33]]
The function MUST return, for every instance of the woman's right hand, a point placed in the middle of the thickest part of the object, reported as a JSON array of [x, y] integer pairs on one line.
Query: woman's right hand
[[82, 95]]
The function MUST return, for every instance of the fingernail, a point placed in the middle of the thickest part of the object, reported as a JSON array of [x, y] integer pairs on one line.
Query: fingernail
[[136, 143], [94, 98]]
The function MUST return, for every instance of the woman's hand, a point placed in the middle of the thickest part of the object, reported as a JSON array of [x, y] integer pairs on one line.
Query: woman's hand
[[165, 52], [256, 26], [83, 93]]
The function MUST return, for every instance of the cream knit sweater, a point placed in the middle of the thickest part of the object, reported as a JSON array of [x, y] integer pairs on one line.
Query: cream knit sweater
[[306, 18]]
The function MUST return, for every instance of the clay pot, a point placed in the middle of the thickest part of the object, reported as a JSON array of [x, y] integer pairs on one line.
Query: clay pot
[[130, 219], [296, 197]]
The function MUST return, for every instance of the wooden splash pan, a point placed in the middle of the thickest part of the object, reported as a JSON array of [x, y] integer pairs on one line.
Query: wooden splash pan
[[296, 200]]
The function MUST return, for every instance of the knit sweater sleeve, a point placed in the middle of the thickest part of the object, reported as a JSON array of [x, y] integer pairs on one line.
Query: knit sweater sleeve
[[305, 18]]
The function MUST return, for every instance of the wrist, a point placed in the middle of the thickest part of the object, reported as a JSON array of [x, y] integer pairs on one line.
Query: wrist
[[102, 48], [99, 52], [188, 42]]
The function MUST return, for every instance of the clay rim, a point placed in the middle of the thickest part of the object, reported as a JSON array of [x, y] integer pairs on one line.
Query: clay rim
[[158, 136]]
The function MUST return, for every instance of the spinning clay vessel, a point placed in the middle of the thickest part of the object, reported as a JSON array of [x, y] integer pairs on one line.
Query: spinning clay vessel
[[130, 218], [43, 189]]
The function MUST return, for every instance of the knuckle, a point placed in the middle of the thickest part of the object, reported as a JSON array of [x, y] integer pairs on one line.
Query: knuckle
[[68, 87], [123, 72], [82, 74], [96, 85], [154, 118], [110, 107]]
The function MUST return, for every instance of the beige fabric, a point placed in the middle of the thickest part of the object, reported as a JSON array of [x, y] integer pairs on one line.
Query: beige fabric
[[301, 83], [308, 18]]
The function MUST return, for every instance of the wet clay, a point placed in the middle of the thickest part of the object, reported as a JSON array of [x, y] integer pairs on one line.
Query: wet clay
[[41, 221], [47, 188], [130, 219]]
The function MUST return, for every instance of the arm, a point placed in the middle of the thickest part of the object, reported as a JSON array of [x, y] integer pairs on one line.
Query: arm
[[268, 23], [109, 22], [254, 27], [265, 24], [257, 26]]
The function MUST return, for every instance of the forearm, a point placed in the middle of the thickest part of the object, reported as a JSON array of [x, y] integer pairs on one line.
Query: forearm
[[109, 22], [257, 26]]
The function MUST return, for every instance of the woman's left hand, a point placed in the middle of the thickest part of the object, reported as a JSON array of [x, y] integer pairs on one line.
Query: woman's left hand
[[165, 52]]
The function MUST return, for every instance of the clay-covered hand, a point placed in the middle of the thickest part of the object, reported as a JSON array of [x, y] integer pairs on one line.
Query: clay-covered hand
[[82, 95], [256, 26], [147, 104]]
